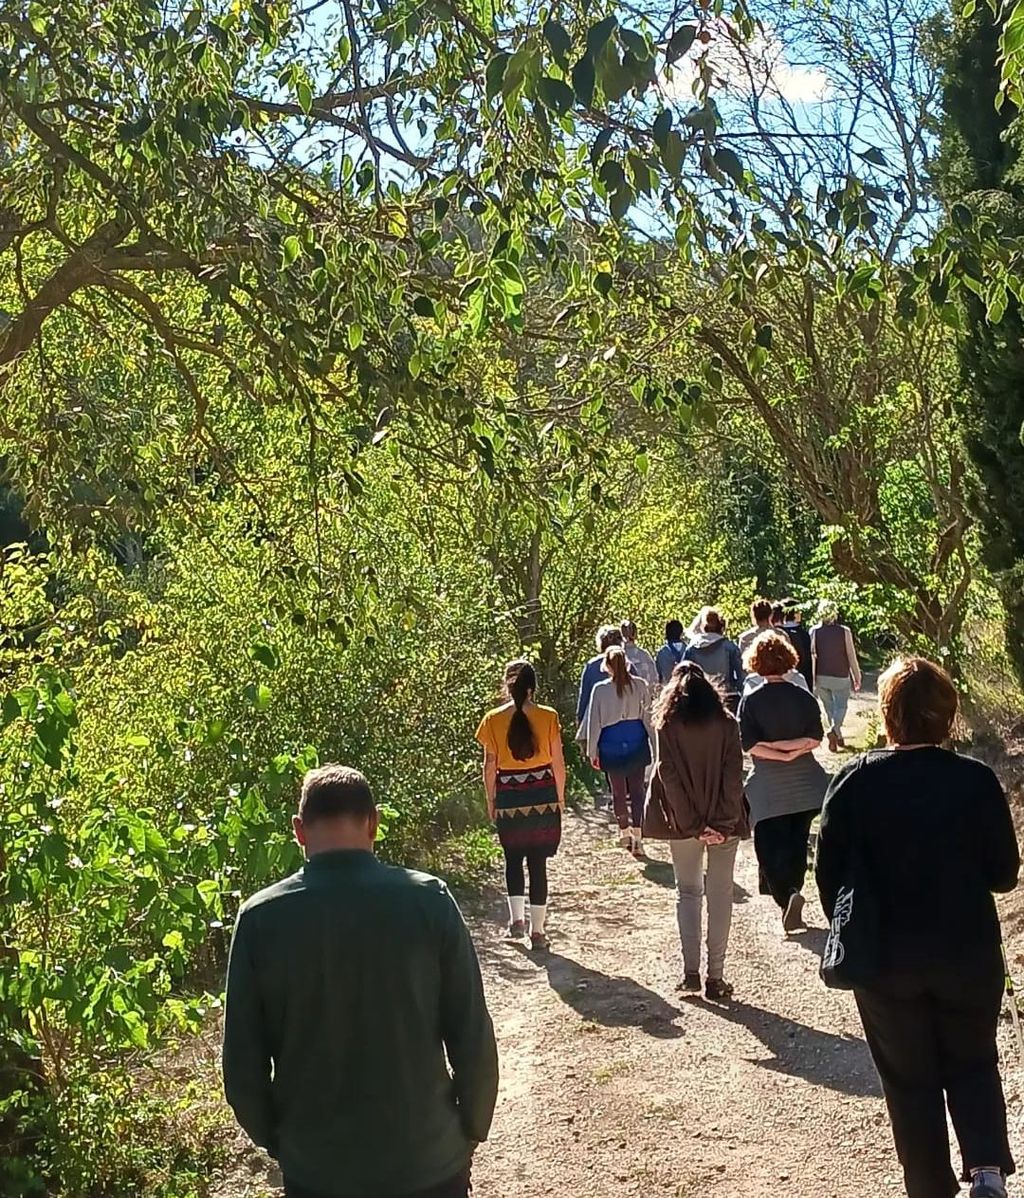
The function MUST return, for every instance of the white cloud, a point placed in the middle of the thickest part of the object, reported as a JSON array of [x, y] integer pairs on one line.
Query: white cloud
[[760, 66]]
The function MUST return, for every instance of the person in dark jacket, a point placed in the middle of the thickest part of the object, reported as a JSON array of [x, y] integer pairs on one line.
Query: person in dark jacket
[[671, 652], [593, 672], [696, 803], [930, 836], [357, 1045], [793, 627], [716, 655]]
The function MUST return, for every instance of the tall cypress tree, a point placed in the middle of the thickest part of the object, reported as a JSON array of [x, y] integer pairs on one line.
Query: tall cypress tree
[[979, 165]]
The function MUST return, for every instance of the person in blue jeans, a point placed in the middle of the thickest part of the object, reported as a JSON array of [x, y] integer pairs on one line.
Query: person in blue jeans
[[836, 670]]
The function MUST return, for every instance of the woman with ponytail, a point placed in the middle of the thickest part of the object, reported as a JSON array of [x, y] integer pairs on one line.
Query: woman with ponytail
[[618, 740], [696, 803], [524, 777]]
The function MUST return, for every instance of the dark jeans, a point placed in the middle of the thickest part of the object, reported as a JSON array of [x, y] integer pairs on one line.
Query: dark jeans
[[933, 1040], [536, 862], [628, 795], [457, 1187], [781, 847]]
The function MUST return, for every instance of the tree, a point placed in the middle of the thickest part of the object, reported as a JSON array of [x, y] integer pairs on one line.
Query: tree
[[978, 174]]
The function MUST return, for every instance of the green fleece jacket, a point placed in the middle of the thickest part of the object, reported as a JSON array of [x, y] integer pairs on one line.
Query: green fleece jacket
[[348, 983]]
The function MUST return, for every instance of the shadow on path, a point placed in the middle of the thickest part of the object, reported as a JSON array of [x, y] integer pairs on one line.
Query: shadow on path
[[610, 1001], [840, 1063]]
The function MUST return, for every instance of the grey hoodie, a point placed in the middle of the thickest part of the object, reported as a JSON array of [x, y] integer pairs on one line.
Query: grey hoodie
[[718, 658]]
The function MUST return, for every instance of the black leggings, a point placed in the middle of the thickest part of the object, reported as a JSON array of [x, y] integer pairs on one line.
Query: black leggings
[[536, 861], [780, 843]]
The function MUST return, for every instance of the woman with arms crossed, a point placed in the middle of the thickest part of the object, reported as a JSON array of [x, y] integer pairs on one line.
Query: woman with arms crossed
[[780, 726]]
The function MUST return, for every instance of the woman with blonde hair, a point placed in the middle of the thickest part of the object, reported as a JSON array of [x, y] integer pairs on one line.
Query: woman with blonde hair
[[914, 839], [780, 727], [696, 803], [524, 779], [617, 735]]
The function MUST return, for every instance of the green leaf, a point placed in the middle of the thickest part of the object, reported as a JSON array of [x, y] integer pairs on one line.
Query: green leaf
[[290, 249], [765, 336], [423, 305], [355, 336], [635, 43], [603, 282], [621, 201], [10, 711], [495, 73], [673, 152], [265, 654], [874, 156], [680, 42], [208, 891], [583, 81], [600, 145], [729, 164], [557, 37], [642, 463], [661, 128], [304, 94], [137, 741], [961, 216], [968, 10], [555, 94], [598, 35]]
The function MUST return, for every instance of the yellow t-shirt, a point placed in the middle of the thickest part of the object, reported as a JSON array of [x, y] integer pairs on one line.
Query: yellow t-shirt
[[493, 735]]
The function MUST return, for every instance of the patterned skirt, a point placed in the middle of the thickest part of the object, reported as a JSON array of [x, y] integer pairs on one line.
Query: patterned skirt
[[529, 817]]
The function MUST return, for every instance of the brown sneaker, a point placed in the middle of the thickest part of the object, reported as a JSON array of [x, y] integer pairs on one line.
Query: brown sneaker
[[718, 990], [517, 930], [833, 742], [539, 942]]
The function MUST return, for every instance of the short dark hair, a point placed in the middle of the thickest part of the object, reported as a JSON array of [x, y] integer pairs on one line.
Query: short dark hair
[[673, 631], [778, 613], [760, 611], [918, 700], [608, 635], [334, 791]]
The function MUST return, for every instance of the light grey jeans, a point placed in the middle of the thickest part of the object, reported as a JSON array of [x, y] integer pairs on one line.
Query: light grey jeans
[[834, 694], [691, 886]]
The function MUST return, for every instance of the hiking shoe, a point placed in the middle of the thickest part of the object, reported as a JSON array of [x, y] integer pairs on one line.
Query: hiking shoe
[[718, 990], [625, 840], [690, 983], [517, 930], [840, 740], [833, 742], [793, 916], [538, 942], [988, 1184]]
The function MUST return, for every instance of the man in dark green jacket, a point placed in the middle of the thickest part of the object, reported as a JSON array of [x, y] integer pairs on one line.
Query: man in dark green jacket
[[348, 984]]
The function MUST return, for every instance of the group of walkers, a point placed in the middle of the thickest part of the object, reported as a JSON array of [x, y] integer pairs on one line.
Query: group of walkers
[[358, 1049]]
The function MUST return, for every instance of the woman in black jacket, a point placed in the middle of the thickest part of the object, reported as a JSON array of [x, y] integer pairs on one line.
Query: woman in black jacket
[[924, 836]]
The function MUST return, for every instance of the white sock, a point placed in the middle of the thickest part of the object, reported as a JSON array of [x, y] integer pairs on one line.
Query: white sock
[[537, 917], [517, 907]]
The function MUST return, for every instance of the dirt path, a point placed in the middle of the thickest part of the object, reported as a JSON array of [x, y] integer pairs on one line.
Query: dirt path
[[614, 1085]]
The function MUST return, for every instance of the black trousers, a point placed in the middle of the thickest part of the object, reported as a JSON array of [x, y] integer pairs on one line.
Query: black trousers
[[536, 861], [781, 847], [933, 1040], [456, 1187]]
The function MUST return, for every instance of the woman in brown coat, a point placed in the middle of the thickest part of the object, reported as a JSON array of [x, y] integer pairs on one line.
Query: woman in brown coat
[[696, 803]]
